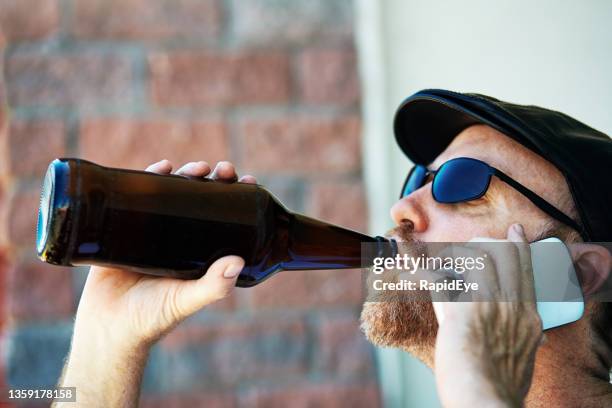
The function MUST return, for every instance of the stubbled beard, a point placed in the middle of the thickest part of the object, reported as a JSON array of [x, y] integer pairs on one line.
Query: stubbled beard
[[387, 320]]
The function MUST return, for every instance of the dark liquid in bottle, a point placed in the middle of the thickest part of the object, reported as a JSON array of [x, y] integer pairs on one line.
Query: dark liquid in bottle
[[176, 226]]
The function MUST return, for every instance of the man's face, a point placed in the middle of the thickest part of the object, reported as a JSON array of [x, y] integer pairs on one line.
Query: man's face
[[412, 325]]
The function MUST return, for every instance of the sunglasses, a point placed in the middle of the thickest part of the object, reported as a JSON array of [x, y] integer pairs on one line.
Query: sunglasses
[[465, 179]]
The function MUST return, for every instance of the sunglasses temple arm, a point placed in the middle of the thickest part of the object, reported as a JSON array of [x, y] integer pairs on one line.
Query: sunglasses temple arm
[[540, 202]]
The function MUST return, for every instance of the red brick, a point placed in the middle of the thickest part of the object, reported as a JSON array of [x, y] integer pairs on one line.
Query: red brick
[[136, 144], [341, 203], [4, 152], [4, 213], [188, 400], [309, 289], [3, 106], [147, 20], [321, 396], [192, 79], [28, 19], [343, 350], [4, 155], [5, 267], [38, 291], [4, 127], [4, 148], [3, 385], [328, 76], [22, 218], [301, 144], [81, 80], [33, 145], [230, 352], [195, 333]]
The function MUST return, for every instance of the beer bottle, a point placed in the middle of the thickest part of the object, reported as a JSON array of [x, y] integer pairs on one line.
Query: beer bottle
[[177, 226]]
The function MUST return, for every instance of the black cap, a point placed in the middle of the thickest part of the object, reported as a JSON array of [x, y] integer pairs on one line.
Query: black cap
[[429, 120]]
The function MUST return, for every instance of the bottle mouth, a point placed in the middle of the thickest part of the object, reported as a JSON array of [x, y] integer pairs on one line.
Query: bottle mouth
[[54, 201]]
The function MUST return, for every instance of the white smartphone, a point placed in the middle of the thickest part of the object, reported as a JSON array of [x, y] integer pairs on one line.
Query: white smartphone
[[559, 298], [558, 294]]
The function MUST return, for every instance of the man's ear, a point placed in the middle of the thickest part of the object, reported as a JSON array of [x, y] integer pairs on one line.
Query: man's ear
[[593, 264]]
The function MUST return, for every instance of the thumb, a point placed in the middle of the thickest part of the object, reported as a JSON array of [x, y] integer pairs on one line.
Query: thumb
[[216, 284]]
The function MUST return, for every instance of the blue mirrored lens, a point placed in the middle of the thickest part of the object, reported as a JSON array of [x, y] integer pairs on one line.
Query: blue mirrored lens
[[415, 180], [460, 180]]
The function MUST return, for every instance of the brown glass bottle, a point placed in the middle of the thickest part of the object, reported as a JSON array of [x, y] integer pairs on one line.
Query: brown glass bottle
[[177, 226]]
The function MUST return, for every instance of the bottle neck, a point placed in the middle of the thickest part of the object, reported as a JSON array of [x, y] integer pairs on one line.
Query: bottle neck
[[315, 244]]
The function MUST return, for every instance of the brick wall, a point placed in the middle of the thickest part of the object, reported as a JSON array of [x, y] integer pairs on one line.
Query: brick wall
[[268, 84], [3, 208]]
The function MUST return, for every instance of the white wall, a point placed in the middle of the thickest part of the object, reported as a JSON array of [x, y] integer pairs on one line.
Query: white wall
[[553, 53]]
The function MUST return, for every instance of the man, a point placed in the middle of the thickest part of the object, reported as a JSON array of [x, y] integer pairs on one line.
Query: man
[[486, 352]]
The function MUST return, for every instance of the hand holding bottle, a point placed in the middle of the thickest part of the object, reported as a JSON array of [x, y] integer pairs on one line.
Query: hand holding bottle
[[122, 313], [152, 305]]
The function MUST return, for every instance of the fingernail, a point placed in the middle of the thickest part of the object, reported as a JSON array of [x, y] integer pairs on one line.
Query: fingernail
[[518, 228], [188, 166], [219, 166], [232, 271], [226, 166]]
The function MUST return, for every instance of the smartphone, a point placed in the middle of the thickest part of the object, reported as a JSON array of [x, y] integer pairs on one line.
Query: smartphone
[[558, 294], [559, 298]]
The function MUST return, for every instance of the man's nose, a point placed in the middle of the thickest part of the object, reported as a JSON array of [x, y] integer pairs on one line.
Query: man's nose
[[410, 209]]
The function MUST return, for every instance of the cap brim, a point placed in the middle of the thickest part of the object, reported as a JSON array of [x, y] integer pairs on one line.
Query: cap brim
[[428, 121]]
